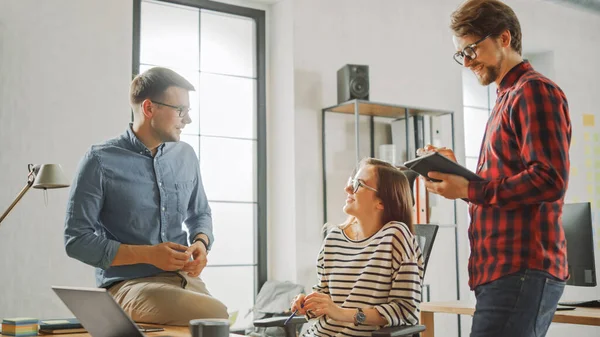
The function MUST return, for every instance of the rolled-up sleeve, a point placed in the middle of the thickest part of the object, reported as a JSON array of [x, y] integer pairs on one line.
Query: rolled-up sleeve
[[405, 294], [82, 218], [403, 307], [199, 218]]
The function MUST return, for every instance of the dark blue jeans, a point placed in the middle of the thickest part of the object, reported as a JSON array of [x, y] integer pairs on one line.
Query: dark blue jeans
[[517, 305]]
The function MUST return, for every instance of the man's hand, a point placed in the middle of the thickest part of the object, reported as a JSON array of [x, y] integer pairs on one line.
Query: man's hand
[[318, 304], [199, 253], [169, 256], [448, 153], [451, 186]]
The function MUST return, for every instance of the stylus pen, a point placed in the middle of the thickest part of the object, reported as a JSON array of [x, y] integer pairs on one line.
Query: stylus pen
[[290, 318]]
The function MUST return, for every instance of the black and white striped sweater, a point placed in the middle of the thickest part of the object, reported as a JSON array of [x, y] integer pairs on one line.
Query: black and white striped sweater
[[384, 271]]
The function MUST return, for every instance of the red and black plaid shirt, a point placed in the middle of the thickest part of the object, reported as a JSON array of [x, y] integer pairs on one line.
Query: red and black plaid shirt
[[524, 158]]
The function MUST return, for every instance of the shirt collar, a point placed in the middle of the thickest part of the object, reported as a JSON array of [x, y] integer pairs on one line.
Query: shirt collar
[[137, 144], [513, 75]]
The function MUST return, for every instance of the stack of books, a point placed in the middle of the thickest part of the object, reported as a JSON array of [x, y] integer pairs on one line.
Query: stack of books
[[58, 326], [21, 326]]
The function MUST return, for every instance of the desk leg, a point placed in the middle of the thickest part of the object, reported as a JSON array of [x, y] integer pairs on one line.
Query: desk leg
[[427, 321]]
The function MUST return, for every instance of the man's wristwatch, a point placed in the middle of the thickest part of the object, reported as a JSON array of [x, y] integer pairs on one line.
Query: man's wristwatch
[[203, 242], [359, 317]]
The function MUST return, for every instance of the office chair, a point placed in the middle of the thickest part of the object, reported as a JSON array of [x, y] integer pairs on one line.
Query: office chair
[[425, 236]]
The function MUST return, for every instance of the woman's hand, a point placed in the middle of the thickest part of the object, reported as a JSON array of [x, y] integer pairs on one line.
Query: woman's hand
[[318, 304], [298, 304]]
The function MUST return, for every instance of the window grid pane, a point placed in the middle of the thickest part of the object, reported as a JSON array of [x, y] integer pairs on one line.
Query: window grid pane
[[474, 121], [227, 106], [478, 101], [228, 168], [176, 46], [227, 44], [234, 226], [229, 165], [234, 286]]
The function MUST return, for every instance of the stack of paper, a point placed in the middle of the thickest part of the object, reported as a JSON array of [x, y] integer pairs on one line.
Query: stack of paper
[[65, 325], [20, 326]]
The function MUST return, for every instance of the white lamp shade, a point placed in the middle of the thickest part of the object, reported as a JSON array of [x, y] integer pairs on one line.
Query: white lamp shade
[[50, 176]]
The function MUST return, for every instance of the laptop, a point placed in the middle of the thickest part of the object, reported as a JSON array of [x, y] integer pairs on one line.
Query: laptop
[[99, 313]]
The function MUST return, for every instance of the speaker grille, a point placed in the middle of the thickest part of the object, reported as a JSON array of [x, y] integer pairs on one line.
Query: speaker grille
[[359, 87], [353, 82]]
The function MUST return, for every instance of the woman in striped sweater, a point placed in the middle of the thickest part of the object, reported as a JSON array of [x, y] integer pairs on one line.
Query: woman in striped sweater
[[370, 269]]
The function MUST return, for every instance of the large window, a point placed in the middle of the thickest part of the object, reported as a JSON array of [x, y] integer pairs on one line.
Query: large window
[[220, 49], [478, 102]]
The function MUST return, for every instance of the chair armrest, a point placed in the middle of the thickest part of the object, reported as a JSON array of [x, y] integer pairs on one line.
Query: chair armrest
[[278, 321], [397, 331]]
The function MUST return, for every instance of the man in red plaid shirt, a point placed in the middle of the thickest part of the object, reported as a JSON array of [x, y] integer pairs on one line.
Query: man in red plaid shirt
[[518, 261]]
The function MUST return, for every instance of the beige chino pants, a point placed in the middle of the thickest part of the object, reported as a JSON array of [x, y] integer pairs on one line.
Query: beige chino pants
[[168, 298]]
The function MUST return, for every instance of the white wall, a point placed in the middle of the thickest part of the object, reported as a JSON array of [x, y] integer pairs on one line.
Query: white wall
[[65, 69], [281, 169]]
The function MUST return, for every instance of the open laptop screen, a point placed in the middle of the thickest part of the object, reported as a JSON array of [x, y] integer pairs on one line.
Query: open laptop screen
[[98, 312]]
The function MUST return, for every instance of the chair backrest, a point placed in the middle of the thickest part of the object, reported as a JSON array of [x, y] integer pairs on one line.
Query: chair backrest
[[425, 234], [411, 176]]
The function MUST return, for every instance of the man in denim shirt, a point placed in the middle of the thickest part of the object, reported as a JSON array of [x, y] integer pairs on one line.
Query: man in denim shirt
[[128, 202]]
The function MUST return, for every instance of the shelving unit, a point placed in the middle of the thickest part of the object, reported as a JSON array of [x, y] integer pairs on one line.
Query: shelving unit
[[377, 115]]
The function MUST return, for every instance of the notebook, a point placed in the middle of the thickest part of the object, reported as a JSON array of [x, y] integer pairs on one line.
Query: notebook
[[439, 163]]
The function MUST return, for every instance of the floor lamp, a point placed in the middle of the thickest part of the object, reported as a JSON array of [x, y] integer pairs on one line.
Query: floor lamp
[[46, 176]]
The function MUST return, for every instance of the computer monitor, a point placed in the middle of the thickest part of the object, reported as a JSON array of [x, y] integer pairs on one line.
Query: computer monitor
[[577, 223]]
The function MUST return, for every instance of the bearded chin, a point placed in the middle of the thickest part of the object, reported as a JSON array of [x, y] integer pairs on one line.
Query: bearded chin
[[491, 73], [489, 76]]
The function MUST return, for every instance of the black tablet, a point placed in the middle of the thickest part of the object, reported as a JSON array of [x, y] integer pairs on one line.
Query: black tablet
[[439, 163]]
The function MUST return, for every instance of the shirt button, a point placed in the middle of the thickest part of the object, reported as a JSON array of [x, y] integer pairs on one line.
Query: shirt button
[[163, 209], [142, 152], [159, 184]]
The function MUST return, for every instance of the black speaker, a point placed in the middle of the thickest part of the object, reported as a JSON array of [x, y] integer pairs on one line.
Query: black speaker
[[353, 82]]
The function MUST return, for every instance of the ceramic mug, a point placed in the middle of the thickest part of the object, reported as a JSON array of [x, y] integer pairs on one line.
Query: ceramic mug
[[209, 327]]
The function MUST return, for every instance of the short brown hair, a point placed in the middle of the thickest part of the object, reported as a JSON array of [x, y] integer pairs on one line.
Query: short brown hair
[[483, 17], [152, 83]]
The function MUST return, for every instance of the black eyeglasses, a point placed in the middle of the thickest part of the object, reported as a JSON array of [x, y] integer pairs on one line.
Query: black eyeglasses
[[468, 52], [357, 183], [182, 111]]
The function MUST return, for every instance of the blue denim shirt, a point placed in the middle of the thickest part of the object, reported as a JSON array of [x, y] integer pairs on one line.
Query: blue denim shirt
[[121, 194]]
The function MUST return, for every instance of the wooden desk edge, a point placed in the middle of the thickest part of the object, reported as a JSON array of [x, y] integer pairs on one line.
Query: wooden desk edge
[[582, 316], [453, 307], [171, 331]]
